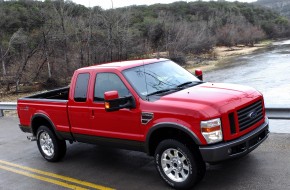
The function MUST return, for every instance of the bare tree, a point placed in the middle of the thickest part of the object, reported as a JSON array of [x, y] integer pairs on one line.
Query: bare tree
[[4, 53], [182, 38], [228, 34], [29, 48], [63, 19]]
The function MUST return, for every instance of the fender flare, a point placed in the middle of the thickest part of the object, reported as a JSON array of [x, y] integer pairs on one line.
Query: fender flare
[[180, 127], [43, 116]]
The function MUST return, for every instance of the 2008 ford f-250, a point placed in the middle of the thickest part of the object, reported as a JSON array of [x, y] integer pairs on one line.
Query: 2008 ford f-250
[[150, 105]]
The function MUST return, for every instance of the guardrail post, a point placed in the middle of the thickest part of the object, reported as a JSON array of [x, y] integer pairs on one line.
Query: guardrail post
[[1, 113]]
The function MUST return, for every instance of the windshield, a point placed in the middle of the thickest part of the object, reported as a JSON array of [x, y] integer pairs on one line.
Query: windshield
[[160, 76]]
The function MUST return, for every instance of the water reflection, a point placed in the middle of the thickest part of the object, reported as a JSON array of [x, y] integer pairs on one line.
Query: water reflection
[[268, 71], [285, 42]]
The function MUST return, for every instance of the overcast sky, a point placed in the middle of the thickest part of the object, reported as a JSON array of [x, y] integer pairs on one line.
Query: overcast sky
[[106, 4]]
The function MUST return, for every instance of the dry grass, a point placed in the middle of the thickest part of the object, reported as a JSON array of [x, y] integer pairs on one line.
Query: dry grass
[[222, 53], [234, 51], [12, 97]]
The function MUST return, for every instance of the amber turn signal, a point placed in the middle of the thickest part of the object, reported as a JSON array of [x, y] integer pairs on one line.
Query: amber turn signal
[[210, 129], [107, 105]]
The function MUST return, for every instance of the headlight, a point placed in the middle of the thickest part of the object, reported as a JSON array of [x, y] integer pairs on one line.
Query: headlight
[[212, 130]]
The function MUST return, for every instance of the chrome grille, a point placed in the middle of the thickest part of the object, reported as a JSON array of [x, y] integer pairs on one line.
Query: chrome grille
[[250, 115]]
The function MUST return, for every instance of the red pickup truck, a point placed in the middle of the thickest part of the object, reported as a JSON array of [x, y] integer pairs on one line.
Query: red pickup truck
[[151, 105]]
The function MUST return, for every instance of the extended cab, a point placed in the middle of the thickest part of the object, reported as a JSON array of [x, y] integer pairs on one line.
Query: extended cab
[[151, 105]]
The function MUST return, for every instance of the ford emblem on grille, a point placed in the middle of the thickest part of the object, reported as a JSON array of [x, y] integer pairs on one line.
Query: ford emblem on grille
[[253, 114]]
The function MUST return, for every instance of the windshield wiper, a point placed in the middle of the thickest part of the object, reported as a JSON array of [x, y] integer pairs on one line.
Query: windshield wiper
[[189, 82], [160, 91], [179, 87]]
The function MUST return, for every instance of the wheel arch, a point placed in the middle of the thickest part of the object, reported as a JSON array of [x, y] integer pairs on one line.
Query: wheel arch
[[40, 119], [163, 131]]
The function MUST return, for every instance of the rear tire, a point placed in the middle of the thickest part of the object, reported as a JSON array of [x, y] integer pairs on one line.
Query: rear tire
[[177, 165], [51, 148]]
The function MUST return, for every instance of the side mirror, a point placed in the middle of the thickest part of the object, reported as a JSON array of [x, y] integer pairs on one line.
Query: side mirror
[[111, 95], [114, 103], [198, 74]]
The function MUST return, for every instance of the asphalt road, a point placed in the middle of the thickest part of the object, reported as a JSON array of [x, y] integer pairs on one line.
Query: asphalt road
[[93, 167]]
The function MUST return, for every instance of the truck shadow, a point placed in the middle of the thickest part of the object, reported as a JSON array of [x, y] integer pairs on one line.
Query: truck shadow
[[116, 168], [132, 170], [233, 174]]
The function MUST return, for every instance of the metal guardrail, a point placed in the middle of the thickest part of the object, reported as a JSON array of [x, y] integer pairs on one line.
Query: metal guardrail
[[278, 112], [272, 111], [7, 106]]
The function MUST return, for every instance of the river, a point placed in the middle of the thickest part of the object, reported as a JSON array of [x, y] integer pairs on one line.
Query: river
[[267, 70]]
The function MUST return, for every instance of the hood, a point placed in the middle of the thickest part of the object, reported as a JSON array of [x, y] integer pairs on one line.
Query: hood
[[214, 98]]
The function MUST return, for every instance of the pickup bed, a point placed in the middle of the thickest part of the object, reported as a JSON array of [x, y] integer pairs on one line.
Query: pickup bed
[[151, 105]]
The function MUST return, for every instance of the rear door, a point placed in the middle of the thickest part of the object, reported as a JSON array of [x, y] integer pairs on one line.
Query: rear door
[[78, 110]]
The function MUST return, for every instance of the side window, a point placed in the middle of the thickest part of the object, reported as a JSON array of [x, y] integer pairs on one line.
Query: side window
[[81, 87], [108, 82]]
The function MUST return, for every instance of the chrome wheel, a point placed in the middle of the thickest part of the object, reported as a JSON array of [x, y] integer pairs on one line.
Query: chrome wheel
[[175, 165], [46, 144]]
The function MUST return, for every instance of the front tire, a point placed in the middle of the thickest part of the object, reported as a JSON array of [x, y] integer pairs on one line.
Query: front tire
[[51, 148], [177, 165]]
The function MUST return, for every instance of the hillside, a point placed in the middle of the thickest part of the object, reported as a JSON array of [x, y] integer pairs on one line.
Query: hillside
[[281, 6], [43, 42]]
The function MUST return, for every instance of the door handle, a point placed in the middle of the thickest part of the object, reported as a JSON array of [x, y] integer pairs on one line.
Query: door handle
[[92, 114]]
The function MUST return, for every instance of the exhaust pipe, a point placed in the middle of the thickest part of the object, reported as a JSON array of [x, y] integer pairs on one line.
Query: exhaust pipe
[[31, 138]]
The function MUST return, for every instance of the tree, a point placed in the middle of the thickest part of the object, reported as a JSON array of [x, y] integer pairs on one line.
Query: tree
[[4, 52], [41, 41]]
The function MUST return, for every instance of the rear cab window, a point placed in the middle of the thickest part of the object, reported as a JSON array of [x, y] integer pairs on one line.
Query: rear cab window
[[81, 88]]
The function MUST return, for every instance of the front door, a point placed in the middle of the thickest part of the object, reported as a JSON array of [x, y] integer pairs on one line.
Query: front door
[[122, 124]]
